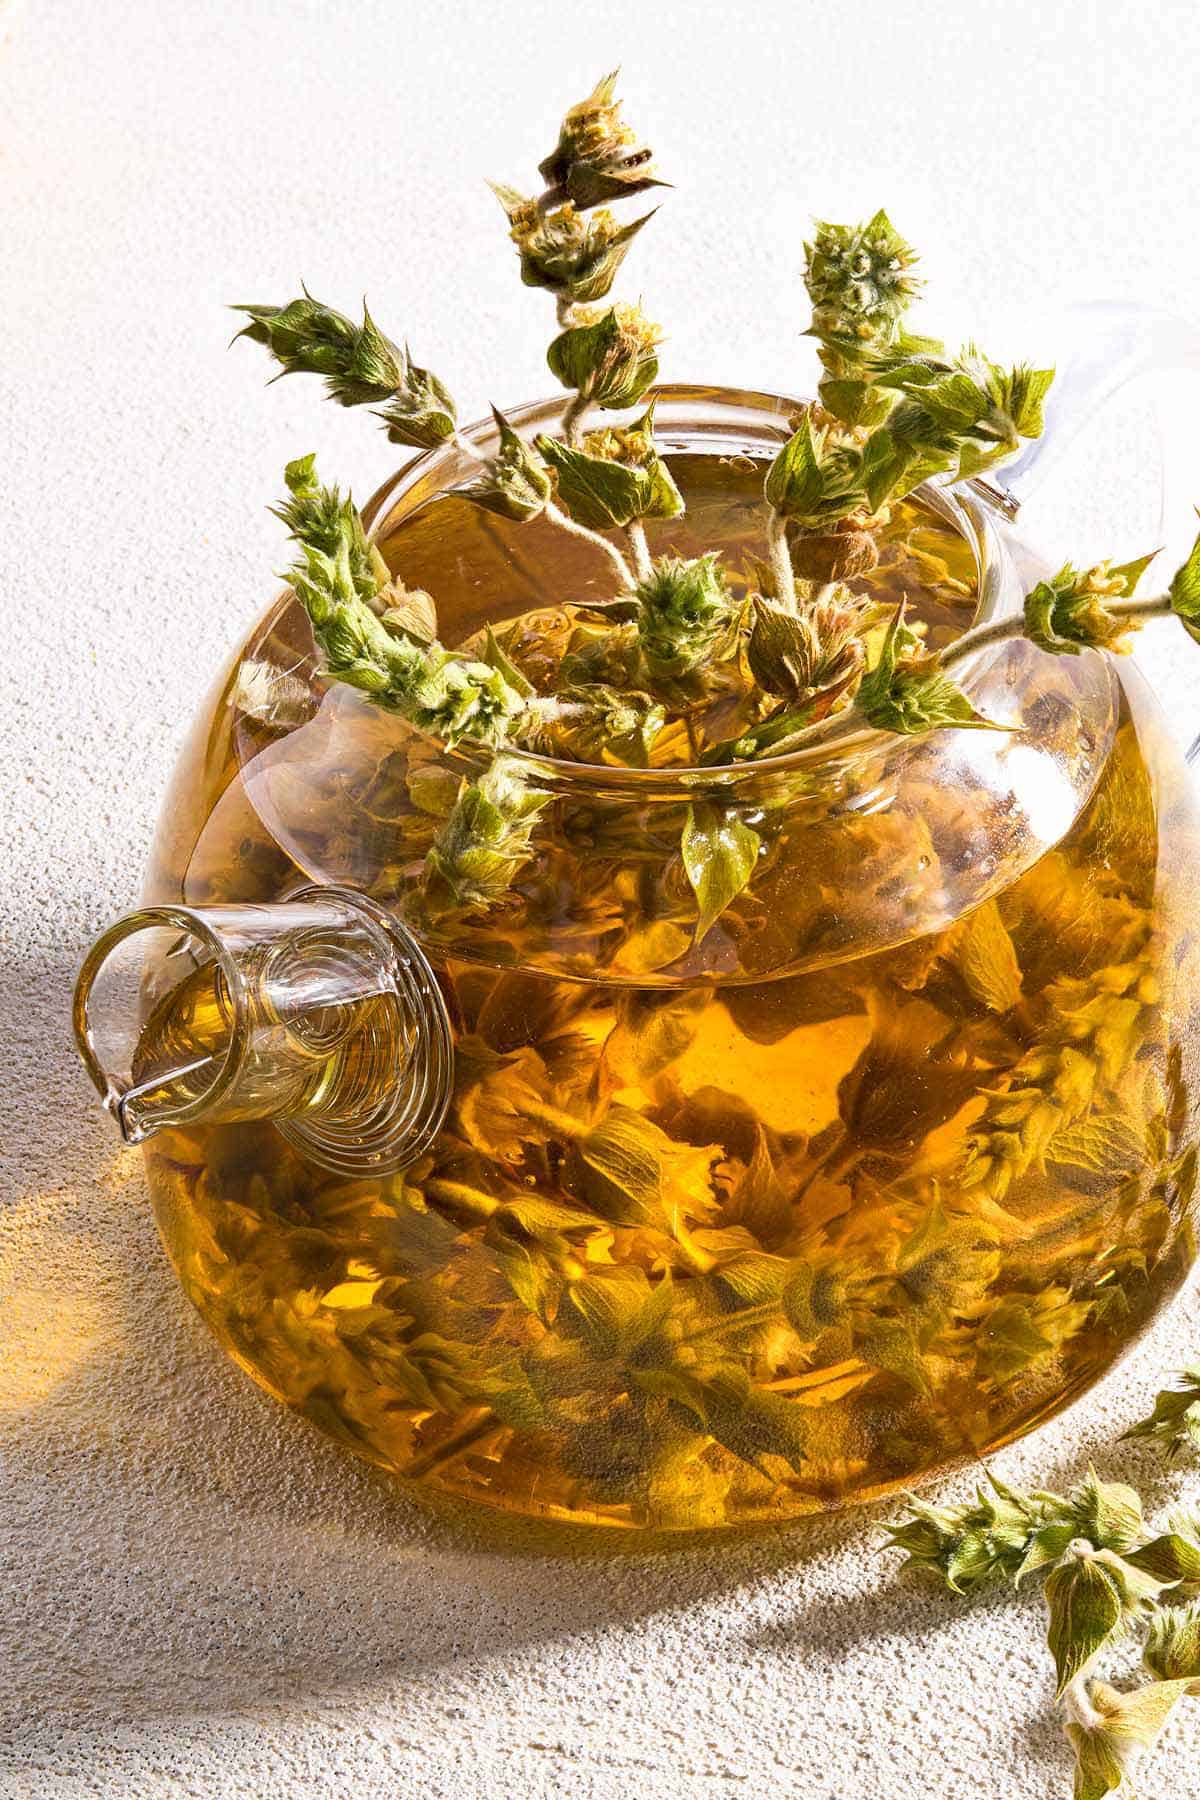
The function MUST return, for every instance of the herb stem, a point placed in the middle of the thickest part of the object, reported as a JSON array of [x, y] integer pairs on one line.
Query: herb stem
[[562, 1124], [566, 523], [781, 563], [573, 417], [468, 448], [459, 1194], [440, 1454], [555, 513], [837, 1161], [635, 537], [997, 630]]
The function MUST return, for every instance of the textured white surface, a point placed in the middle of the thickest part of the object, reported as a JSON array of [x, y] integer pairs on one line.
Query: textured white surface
[[201, 1597]]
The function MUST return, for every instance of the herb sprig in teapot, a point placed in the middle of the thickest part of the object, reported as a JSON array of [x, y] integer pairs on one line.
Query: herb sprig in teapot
[[810, 656]]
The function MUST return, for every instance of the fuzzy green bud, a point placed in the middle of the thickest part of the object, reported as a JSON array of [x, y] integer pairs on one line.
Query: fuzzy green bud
[[1068, 614], [598, 157], [859, 278], [687, 617], [609, 357], [1172, 1650], [572, 257], [484, 842], [516, 483]]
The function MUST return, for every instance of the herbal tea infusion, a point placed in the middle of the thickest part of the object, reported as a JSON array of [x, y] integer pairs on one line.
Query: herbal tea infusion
[[810, 911]]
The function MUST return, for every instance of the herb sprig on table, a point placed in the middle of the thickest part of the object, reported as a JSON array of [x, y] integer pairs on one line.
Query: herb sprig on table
[[1108, 1577], [810, 655]]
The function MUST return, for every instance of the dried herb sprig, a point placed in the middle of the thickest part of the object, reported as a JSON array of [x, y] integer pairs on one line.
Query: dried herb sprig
[[1174, 1423], [360, 365], [453, 696], [1107, 1576], [895, 409], [604, 356]]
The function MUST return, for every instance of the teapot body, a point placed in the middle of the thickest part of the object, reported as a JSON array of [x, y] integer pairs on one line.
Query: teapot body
[[875, 1175]]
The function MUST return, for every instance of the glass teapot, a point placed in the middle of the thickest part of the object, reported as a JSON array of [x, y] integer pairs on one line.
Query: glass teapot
[[552, 1207]]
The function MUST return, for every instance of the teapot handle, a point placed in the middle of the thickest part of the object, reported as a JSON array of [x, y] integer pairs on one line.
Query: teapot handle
[[1104, 345]]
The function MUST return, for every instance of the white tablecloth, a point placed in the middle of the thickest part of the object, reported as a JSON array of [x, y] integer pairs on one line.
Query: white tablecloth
[[202, 1597]]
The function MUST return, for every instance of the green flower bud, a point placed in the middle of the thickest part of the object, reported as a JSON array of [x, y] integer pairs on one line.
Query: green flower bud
[[813, 657], [485, 840], [516, 483], [598, 157], [421, 412], [604, 724], [457, 699], [574, 258], [1172, 1649], [968, 1545], [320, 519], [687, 617], [1107, 1513], [607, 357], [859, 279], [1067, 614], [961, 416]]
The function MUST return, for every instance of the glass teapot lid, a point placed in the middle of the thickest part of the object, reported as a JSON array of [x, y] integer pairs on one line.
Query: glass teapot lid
[[312, 753]]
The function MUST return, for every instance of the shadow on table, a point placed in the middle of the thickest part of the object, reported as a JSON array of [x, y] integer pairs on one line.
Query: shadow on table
[[177, 1542]]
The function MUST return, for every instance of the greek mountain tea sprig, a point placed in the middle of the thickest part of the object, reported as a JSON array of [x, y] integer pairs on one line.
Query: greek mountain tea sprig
[[895, 409], [1107, 1577], [937, 408], [361, 367], [605, 356], [435, 689], [1175, 1422]]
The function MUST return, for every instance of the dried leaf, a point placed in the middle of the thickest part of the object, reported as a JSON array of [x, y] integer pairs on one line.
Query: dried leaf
[[1085, 1615], [1109, 1745], [1106, 1144], [985, 958], [719, 855]]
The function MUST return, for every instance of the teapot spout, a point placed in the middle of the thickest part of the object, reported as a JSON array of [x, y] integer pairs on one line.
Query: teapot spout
[[319, 1013]]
